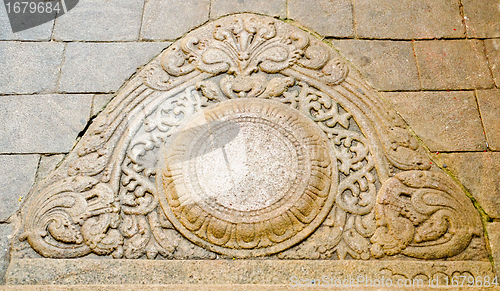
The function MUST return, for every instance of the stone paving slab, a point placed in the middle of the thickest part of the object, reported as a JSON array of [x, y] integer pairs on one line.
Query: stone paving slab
[[41, 32], [482, 18], [492, 47], [29, 67], [275, 8], [489, 107], [208, 272], [5, 231], [47, 164], [388, 65], [240, 287], [104, 67], [493, 230], [328, 18], [162, 22], [479, 173], [453, 64], [408, 19], [42, 123], [17, 175], [99, 102], [94, 20], [445, 121], [92, 72]]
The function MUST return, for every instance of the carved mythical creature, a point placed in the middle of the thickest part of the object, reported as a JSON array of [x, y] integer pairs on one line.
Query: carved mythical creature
[[114, 194]]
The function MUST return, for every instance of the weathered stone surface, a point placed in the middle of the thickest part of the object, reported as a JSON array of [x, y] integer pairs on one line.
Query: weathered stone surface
[[492, 47], [29, 67], [493, 229], [456, 64], [47, 164], [223, 7], [41, 32], [480, 175], [328, 18], [99, 101], [257, 169], [248, 137], [408, 19], [229, 287], [5, 233], [387, 65], [162, 19], [445, 121], [94, 20], [103, 67], [17, 174], [489, 106], [481, 18], [227, 272], [42, 123]]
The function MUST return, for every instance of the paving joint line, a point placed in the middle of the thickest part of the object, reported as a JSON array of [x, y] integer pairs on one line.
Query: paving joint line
[[481, 119], [145, 2], [60, 73]]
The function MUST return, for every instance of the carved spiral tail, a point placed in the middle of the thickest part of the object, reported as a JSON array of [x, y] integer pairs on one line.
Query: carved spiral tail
[[54, 228], [425, 215]]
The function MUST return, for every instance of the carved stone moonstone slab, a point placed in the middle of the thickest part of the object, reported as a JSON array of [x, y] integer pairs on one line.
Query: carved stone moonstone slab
[[251, 138], [248, 177]]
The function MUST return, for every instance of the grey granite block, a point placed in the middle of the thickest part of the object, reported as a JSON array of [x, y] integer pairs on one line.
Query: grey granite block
[[17, 175], [103, 67], [95, 20], [162, 21], [42, 123], [29, 67]]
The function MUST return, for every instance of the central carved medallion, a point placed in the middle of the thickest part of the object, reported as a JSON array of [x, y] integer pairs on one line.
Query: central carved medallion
[[248, 177], [249, 137]]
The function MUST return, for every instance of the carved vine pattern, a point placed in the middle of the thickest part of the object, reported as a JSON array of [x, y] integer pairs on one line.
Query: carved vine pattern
[[415, 211]]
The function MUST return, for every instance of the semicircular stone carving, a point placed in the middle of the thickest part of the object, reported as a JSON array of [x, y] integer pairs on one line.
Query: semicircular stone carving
[[248, 177], [249, 137]]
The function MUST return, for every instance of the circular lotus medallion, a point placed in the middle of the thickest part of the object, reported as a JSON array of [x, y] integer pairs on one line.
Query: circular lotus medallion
[[247, 177]]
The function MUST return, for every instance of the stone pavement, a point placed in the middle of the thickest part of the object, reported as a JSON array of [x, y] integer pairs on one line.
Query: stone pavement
[[436, 62]]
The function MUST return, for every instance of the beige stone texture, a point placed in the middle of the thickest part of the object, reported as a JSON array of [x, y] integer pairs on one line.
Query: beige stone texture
[[99, 102], [482, 18], [489, 107], [228, 287], [5, 233], [454, 64], [275, 8], [47, 164], [492, 47], [99, 45], [227, 272], [326, 17], [493, 230], [445, 121], [388, 65], [161, 19], [408, 19], [479, 173]]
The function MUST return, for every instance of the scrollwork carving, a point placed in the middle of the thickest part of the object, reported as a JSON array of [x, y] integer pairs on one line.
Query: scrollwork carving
[[371, 190], [424, 215], [74, 217]]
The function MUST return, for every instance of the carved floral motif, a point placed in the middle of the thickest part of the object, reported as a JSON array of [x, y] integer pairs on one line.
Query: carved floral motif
[[387, 200]]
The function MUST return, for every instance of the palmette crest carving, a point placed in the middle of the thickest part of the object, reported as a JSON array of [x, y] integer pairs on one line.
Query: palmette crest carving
[[249, 137]]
